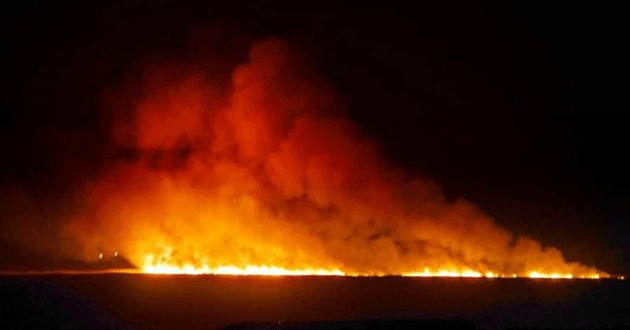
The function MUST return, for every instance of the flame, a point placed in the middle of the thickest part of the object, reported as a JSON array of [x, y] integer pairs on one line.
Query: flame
[[270, 270], [444, 273], [569, 276], [268, 179], [233, 270], [190, 269]]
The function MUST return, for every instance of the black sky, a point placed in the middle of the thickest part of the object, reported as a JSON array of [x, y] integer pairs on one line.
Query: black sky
[[515, 106]]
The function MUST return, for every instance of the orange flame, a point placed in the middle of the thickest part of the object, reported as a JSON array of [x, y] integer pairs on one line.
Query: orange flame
[[268, 179], [189, 269]]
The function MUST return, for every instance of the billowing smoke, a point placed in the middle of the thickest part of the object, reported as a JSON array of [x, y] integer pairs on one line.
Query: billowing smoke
[[265, 170]]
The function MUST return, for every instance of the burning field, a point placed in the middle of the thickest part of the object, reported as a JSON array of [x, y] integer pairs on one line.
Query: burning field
[[260, 172], [316, 165]]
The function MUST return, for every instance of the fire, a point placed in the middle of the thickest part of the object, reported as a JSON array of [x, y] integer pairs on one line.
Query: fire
[[233, 270], [589, 276], [540, 275], [190, 269], [262, 175], [266, 270], [444, 273]]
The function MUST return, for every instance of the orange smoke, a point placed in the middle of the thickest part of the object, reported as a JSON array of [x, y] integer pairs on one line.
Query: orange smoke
[[265, 176]]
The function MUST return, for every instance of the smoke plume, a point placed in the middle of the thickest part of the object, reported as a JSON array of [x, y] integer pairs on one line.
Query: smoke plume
[[263, 169]]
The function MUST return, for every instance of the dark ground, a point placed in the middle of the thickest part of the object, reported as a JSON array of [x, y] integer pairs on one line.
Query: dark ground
[[133, 301]]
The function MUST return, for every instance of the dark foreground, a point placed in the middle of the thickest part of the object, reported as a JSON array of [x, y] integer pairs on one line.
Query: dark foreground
[[134, 301]]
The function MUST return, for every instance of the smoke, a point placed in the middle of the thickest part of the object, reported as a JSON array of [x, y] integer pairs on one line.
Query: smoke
[[263, 169]]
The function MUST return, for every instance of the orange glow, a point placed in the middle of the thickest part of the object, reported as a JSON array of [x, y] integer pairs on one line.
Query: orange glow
[[443, 273], [232, 270], [569, 276], [262, 175], [280, 271], [190, 269]]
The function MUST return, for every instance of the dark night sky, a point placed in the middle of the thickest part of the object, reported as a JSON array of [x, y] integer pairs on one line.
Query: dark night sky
[[515, 106]]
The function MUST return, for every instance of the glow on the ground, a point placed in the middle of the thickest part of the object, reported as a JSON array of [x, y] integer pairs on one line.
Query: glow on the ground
[[281, 271], [232, 270]]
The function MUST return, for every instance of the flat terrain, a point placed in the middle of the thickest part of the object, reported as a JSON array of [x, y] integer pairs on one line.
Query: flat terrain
[[138, 301]]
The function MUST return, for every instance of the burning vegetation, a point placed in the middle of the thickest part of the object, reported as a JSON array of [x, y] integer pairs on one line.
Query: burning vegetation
[[264, 175]]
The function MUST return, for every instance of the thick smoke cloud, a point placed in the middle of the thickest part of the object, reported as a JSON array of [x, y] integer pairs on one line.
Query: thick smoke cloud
[[265, 170]]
